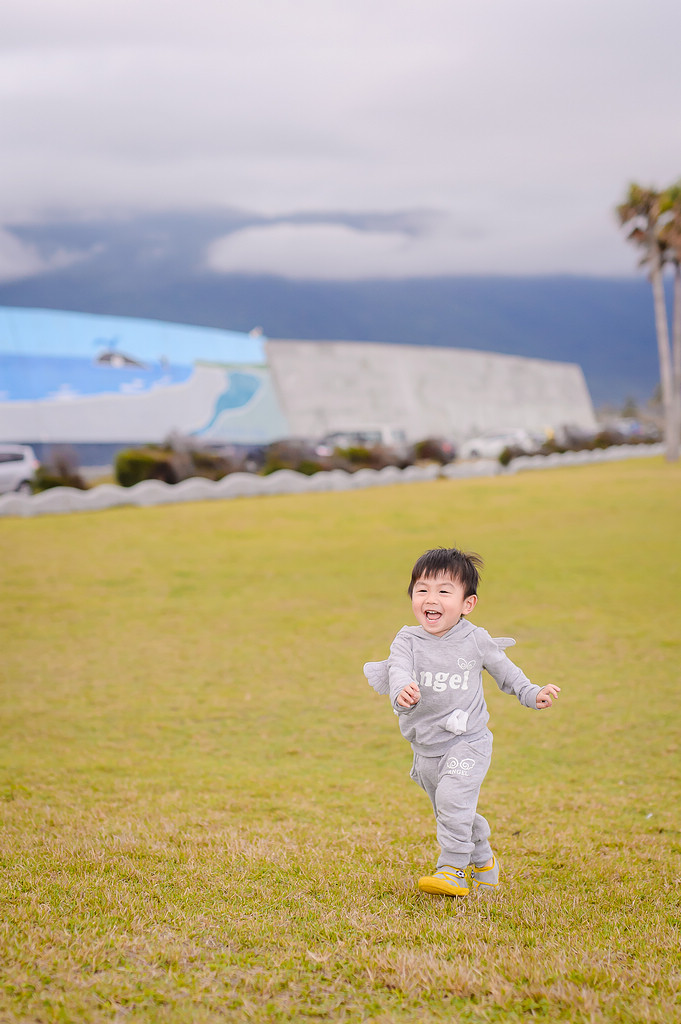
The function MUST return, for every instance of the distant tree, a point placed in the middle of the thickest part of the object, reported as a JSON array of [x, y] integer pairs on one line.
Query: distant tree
[[648, 213], [630, 408]]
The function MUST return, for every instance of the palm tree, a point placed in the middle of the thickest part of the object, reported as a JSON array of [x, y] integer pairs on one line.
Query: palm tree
[[648, 211], [670, 234]]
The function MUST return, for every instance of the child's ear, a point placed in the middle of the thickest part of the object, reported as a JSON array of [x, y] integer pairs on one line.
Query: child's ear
[[470, 603]]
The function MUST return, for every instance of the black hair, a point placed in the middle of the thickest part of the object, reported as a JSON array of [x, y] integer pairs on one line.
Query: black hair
[[462, 566]]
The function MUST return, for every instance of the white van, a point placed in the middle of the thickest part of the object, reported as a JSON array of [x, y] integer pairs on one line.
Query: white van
[[17, 468]]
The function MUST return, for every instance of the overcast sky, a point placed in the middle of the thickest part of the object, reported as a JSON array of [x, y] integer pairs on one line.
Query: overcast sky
[[502, 132]]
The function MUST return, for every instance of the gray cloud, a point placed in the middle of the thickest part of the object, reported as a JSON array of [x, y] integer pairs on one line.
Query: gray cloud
[[519, 123], [189, 242]]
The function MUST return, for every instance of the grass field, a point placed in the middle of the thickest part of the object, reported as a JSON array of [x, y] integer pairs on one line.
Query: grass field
[[206, 812]]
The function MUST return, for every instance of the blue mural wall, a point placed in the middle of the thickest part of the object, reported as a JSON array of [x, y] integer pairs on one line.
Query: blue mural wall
[[75, 378], [33, 378]]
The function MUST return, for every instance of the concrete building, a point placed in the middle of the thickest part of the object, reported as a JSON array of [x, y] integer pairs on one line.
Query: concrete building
[[99, 383], [326, 386]]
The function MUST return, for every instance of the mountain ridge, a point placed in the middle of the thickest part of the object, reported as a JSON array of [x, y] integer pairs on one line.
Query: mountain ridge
[[155, 270]]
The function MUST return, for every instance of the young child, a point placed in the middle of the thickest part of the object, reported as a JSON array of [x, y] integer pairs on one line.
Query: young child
[[434, 678]]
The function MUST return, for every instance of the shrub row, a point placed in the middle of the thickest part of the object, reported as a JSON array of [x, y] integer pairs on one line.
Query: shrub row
[[165, 463], [172, 463], [604, 439]]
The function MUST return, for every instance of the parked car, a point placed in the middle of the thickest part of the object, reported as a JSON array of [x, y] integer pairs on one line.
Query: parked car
[[17, 468], [629, 429], [370, 438], [492, 443]]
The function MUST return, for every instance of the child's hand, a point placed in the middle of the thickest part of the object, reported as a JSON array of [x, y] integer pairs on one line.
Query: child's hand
[[547, 695], [409, 696]]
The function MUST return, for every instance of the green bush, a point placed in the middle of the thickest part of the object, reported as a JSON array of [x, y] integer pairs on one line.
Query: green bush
[[273, 466], [432, 449], [506, 456], [60, 470], [300, 457], [512, 451], [309, 467], [291, 454], [46, 478], [170, 465], [211, 465], [361, 457], [551, 447], [357, 455], [133, 465]]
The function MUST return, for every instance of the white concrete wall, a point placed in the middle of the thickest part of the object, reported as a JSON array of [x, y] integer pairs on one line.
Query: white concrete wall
[[455, 393]]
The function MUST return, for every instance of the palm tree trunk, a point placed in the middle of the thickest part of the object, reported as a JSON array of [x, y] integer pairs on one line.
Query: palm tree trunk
[[676, 361], [664, 354]]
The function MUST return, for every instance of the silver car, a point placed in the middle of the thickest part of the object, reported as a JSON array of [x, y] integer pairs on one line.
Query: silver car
[[17, 468], [491, 444]]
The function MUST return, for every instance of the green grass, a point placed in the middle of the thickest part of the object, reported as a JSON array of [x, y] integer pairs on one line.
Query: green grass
[[206, 812]]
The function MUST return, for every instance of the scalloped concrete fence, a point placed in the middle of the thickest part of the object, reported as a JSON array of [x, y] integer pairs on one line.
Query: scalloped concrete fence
[[240, 485]]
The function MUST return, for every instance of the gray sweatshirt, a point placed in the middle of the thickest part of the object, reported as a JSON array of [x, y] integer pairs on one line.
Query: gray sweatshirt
[[448, 672]]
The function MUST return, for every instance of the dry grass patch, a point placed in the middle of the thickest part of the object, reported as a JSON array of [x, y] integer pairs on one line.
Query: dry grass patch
[[206, 814]]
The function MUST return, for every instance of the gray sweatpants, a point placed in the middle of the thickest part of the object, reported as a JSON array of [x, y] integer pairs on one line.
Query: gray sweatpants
[[453, 783]]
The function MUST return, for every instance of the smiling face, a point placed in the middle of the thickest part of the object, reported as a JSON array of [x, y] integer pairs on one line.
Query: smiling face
[[439, 602]]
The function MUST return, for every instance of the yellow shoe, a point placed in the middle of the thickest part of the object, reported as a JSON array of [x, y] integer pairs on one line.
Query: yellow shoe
[[485, 878], [446, 881]]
